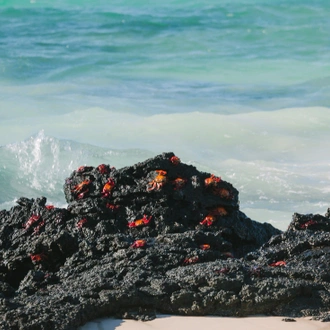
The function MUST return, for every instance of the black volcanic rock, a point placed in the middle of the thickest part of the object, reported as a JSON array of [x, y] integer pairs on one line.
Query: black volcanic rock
[[159, 236]]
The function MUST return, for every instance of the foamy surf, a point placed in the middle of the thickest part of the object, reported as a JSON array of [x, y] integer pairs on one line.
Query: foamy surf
[[275, 159]]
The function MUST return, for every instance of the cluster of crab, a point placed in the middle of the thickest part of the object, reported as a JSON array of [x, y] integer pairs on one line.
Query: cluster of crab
[[160, 179], [211, 183], [37, 222], [81, 190]]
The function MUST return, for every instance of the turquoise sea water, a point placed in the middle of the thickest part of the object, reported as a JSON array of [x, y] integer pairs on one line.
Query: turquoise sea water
[[238, 88]]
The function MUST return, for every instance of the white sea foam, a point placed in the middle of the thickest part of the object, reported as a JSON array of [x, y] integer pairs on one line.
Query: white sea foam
[[277, 160]]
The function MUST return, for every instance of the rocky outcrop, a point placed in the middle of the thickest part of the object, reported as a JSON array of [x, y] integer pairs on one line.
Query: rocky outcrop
[[159, 236]]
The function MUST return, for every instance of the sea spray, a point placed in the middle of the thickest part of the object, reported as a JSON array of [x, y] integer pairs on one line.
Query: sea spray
[[276, 159]]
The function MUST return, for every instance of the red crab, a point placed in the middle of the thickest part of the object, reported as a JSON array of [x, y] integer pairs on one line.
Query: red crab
[[38, 257], [278, 264], [212, 181], [140, 243], [81, 186], [34, 218], [49, 207], [108, 187], [175, 160], [81, 222], [82, 169], [306, 224], [205, 246], [159, 180], [103, 169], [208, 220], [192, 260], [179, 183], [137, 223]]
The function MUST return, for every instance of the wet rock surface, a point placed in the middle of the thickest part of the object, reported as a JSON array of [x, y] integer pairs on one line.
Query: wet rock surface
[[159, 236]]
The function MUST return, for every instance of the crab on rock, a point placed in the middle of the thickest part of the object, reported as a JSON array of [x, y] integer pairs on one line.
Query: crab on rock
[[81, 223], [38, 257], [81, 186], [212, 181], [208, 220], [278, 264], [103, 169], [107, 188], [140, 222], [139, 243], [158, 181], [34, 218], [205, 246], [175, 160], [192, 260]]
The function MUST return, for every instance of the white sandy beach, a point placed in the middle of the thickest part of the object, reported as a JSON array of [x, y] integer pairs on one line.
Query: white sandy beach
[[169, 322]]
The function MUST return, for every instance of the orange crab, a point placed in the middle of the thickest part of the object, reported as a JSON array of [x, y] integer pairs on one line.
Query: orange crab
[[81, 186], [175, 160], [108, 187], [103, 169], [208, 220], [38, 257], [205, 247], [278, 264], [137, 223], [192, 260], [159, 180], [140, 243], [179, 183], [307, 224], [81, 222], [212, 181]]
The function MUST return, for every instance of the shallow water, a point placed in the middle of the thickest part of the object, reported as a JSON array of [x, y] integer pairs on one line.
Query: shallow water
[[238, 88]]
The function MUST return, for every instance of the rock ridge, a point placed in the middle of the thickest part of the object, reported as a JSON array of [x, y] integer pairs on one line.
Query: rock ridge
[[158, 236]]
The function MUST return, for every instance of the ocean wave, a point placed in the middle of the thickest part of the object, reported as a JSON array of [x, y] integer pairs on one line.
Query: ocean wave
[[276, 160], [39, 165]]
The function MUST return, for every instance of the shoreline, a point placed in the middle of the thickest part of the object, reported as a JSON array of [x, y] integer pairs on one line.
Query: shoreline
[[165, 322]]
